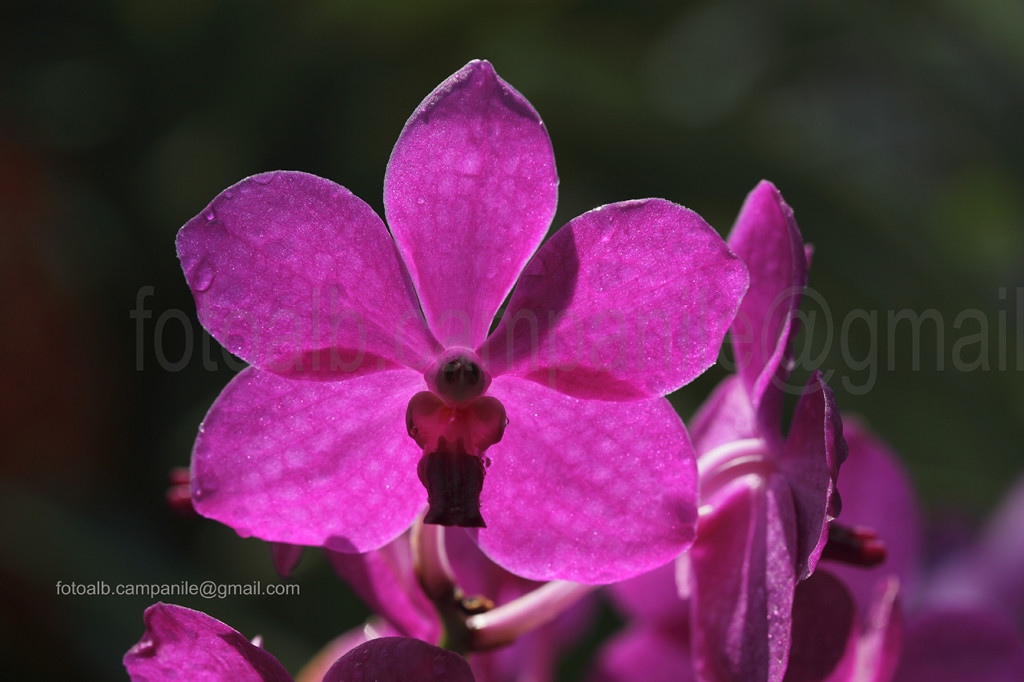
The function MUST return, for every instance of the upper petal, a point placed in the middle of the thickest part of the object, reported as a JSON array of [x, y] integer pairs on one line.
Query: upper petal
[[296, 275], [182, 644], [767, 239], [310, 462], [627, 301], [469, 193], [584, 490], [810, 462]]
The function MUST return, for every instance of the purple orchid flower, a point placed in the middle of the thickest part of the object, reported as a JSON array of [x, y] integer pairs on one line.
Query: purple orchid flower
[[359, 339], [182, 644], [767, 500], [899, 622], [770, 497]]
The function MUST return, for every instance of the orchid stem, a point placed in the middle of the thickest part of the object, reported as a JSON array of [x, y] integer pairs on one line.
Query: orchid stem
[[431, 561], [503, 624]]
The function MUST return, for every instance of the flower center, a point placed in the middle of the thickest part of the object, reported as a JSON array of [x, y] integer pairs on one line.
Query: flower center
[[455, 423], [457, 376]]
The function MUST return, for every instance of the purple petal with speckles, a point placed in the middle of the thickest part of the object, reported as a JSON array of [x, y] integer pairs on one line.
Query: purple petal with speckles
[[470, 191], [627, 301], [310, 462], [182, 644], [296, 275], [586, 490]]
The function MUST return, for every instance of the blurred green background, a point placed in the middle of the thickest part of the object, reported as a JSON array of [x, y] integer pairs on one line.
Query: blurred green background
[[893, 129]]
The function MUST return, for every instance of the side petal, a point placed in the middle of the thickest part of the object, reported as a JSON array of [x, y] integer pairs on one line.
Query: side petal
[[725, 416], [825, 632], [877, 493], [296, 275], [742, 574], [310, 462], [385, 580], [583, 490], [810, 460], [767, 239], [399, 658], [182, 644], [469, 194], [627, 301]]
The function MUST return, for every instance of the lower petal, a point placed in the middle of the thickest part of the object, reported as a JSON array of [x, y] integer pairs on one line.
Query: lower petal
[[586, 490], [310, 463], [742, 571]]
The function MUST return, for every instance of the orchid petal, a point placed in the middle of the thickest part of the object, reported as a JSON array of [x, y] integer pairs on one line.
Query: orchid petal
[[310, 462], [650, 653], [315, 669], [285, 557], [877, 493], [1002, 552], [399, 658], [651, 596], [825, 631], [957, 645], [469, 193], [386, 581], [296, 275], [725, 416], [810, 462], [742, 568], [627, 301], [768, 240], [586, 490], [180, 643]]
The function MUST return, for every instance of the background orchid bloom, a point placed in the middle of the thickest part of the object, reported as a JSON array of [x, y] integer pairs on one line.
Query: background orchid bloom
[[182, 644], [902, 621], [766, 499], [770, 497], [344, 323]]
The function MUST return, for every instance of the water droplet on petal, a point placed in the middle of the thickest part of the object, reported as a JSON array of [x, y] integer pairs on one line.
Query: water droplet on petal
[[203, 276], [210, 215]]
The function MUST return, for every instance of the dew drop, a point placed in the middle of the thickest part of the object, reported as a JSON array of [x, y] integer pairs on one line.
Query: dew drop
[[210, 215], [203, 276], [420, 201]]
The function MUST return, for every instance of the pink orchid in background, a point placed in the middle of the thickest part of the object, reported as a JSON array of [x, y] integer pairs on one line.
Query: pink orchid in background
[[769, 497], [901, 622], [724, 611], [182, 644], [888, 623], [360, 338]]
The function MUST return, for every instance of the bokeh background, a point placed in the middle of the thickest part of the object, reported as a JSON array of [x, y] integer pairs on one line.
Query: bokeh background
[[893, 129]]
